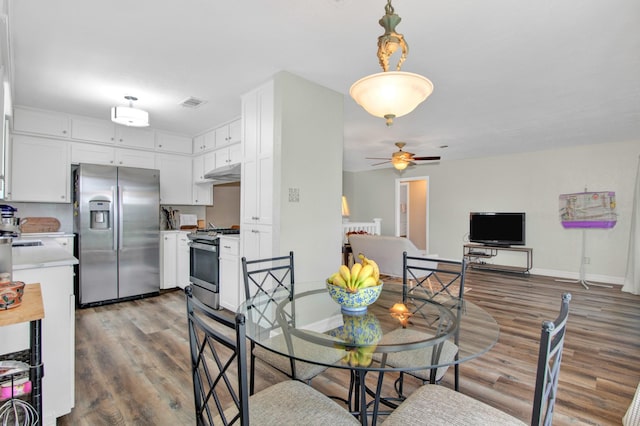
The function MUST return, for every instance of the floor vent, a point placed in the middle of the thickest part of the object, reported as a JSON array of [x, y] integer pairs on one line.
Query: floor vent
[[192, 102]]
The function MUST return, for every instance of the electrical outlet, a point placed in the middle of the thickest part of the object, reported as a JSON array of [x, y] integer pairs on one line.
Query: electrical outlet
[[294, 195]]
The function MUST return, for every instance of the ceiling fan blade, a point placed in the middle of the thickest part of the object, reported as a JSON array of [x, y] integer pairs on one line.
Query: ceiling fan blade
[[425, 158], [377, 164], [377, 158]]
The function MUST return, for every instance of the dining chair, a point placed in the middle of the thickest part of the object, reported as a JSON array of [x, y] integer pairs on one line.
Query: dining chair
[[442, 406], [262, 279], [219, 371], [426, 280]]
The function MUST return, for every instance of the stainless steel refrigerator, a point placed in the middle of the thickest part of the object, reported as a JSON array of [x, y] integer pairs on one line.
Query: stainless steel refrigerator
[[117, 221]]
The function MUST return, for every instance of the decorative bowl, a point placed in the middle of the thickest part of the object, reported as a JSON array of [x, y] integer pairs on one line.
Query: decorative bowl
[[354, 302], [11, 294]]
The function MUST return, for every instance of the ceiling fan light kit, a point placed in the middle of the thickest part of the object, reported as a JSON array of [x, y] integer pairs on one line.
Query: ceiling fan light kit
[[391, 94], [130, 116]]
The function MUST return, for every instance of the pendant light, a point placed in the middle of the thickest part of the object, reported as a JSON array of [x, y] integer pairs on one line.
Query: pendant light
[[130, 116], [391, 94]]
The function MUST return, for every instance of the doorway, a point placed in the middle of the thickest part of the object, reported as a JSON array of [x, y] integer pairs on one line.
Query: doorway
[[412, 210]]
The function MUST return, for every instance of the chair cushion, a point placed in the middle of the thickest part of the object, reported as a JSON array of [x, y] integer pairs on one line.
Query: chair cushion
[[632, 416], [443, 407], [416, 357], [304, 370], [293, 403]]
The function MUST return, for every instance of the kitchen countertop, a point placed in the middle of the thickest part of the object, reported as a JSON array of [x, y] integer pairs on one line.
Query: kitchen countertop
[[48, 255]]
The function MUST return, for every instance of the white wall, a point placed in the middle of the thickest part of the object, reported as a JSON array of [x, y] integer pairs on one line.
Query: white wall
[[309, 136], [528, 182]]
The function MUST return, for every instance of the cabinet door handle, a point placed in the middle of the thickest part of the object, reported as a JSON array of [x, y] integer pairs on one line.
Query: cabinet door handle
[[227, 247], [255, 231]]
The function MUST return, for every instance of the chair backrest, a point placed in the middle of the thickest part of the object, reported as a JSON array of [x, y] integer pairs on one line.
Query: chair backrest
[[214, 351], [433, 278], [266, 276], [549, 359]]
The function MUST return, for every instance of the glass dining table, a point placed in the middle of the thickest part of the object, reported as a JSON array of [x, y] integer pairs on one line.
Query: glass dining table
[[311, 327]]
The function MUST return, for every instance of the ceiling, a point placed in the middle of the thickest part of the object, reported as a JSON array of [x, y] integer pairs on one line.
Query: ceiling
[[509, 76]]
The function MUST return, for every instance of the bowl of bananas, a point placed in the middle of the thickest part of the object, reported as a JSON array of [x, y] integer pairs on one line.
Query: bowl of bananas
[[356, 288], [359, 335]]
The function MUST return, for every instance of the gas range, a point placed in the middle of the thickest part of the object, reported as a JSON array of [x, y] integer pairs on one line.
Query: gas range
[[211, 234]]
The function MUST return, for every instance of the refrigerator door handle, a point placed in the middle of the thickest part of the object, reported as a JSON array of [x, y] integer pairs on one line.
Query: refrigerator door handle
[[120, 221], [114, 225]]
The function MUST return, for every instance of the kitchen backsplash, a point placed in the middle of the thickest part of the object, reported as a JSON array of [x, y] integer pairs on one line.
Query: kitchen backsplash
[[61, 211], [199, 211]]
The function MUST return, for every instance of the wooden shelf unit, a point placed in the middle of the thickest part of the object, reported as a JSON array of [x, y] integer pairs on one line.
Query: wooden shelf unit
[[474, 253]]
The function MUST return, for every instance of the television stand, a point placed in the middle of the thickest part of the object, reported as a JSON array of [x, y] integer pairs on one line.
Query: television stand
[[475, 253]]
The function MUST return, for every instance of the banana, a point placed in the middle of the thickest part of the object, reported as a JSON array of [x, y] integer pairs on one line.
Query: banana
[[355, 271], [376, 270], [339, 281], [365, 273], [333, 277], [345, 273], [369, 282]]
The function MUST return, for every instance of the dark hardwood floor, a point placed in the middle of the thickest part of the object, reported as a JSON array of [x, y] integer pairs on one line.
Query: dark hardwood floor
[[132, 361]]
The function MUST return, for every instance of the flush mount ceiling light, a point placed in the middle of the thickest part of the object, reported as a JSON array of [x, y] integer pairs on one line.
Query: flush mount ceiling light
[[130, 116], [391, 94]]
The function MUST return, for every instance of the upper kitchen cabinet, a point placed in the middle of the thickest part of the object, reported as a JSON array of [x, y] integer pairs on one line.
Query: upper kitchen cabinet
[[257, 157], [204, 142], [227, 134], [103, 131], [169, 142], [135, 158], [29, 120], [40, 170], [176, 183], [228, 156]]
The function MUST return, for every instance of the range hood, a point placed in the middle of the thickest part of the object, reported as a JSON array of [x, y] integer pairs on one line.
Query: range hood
[[224, 174]]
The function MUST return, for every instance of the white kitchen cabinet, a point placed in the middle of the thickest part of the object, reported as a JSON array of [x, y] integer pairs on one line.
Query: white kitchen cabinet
[[257, 241], [31, 120], [202, 194], [135, 137], [92, 129], [182, 270], [231, 285], [228, 156], [58, 338], [174, 259], [104, 131], [257, 156], [168, 259], [108, 155], [204, 142], [67, 242], [202, 164], [40, 170], [227, 134], [92, 154], [169, 142], [176, 184], [134, 158]]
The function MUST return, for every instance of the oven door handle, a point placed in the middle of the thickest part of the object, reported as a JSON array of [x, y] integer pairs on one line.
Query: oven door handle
[[200, 246]]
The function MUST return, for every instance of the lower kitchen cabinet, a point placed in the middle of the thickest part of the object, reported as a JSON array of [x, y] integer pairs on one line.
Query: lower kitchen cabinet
[[231, 282], [58, 338], [174, 259]]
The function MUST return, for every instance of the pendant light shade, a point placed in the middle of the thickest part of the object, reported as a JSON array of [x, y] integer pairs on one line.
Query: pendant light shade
[[391, 94], [130, 116]]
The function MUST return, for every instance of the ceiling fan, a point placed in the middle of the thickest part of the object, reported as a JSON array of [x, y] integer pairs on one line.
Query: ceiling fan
[[401, 159]]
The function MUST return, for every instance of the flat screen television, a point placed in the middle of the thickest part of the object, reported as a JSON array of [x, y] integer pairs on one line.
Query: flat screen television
[[497, 228]]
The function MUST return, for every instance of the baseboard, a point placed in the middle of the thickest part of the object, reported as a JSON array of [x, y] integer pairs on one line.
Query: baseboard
[[576, 276]]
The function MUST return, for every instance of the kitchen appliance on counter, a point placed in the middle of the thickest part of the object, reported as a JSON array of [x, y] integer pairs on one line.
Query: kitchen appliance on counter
[[9, 229], [204, 264], [118, 226]]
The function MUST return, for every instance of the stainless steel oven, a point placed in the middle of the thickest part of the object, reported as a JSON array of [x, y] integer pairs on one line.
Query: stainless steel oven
[[204, 264]]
